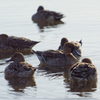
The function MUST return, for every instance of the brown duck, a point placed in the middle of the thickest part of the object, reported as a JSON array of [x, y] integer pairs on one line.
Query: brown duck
[[46, 14], [19, 68], [56, 57], [15, 43], [84, 70]]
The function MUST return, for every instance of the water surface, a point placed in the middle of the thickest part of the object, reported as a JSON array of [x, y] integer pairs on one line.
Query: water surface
[[82, 21]]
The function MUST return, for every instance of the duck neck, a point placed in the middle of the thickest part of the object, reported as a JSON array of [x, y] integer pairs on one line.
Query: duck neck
[[72, 59]]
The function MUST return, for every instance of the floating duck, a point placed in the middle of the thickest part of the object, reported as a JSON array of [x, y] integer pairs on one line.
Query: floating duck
[[84, 70], [15, 43], [19, 68], [77, 49], [57, 57], [46, 14]]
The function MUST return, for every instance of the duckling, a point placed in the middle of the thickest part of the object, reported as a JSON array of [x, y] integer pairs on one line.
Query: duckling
[[46, 14], [84, 70], [56, 57], [77, 50], [15, 43], [19, 68]]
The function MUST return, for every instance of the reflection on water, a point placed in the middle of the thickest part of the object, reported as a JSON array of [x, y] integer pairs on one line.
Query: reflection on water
[[86, 86], [51, 71], [19, 83], [7, 54], [54, 69], [82, 89], [83, 21], [47, 24], [83, 94]]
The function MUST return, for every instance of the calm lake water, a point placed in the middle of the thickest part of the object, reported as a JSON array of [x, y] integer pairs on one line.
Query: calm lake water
[[82, 21]]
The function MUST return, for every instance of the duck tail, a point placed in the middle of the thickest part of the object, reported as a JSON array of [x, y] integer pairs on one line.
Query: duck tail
[[35, 42], [32, 72], [80, 42], [59, 16], [38, 53], [34, 51]]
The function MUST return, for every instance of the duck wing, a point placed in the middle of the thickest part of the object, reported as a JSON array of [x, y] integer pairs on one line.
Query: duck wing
[[20, 69], [19, 43], [52, 57], [45, 14], [83, 70], [57, 16]]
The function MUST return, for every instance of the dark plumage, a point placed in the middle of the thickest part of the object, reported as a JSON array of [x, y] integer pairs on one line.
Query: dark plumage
[[57, 57], [19, 68], [15, 43], [46, 15], [83, 70], [77, 46]]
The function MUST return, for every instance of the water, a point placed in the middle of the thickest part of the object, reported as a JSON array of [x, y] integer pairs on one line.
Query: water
[[82, 21]]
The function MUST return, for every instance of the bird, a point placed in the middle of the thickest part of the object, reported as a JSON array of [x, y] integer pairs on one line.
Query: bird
[[47, 15], [57, 57], [77, 50], [8, 43], [84, 70], [19, 68]]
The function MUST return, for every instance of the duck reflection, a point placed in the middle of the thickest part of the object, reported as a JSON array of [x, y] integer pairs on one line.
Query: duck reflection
[[86, 86], [77, 88], [54, 71], [20, 83], [84, 89], [47, 24], [7, 54], [81, 89]]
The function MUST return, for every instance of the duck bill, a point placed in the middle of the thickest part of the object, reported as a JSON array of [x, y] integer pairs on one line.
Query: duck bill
[[76, 53], [80, 42], [60, 47], [9, 60]]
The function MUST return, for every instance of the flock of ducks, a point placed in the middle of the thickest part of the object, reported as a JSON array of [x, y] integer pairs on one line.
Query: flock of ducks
[[67, 54]]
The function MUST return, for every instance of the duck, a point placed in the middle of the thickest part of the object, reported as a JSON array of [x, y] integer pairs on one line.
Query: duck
[[84, 70], [8, 43], [19, 68], [77, 50], [46, 15], [57, 57]]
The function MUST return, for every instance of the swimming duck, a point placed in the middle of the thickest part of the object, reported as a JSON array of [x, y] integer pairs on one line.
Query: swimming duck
[[84, 70], [77, 50], [56, 57], [46, 14], [19, 68], [15, 43]]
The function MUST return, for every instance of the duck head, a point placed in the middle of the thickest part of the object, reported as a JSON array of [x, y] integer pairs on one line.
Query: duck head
[[3, 37], [40, 8], [63, 41], [68, 48], [17, 57], [86, 60]]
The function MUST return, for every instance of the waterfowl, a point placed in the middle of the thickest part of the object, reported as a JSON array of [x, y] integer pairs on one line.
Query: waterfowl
[[77, 50], [46, 14], [15, 43], [56, 57], [84, 70], [19, 68]]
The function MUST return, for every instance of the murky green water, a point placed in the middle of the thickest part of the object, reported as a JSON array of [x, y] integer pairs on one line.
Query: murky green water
[[82, 21]]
